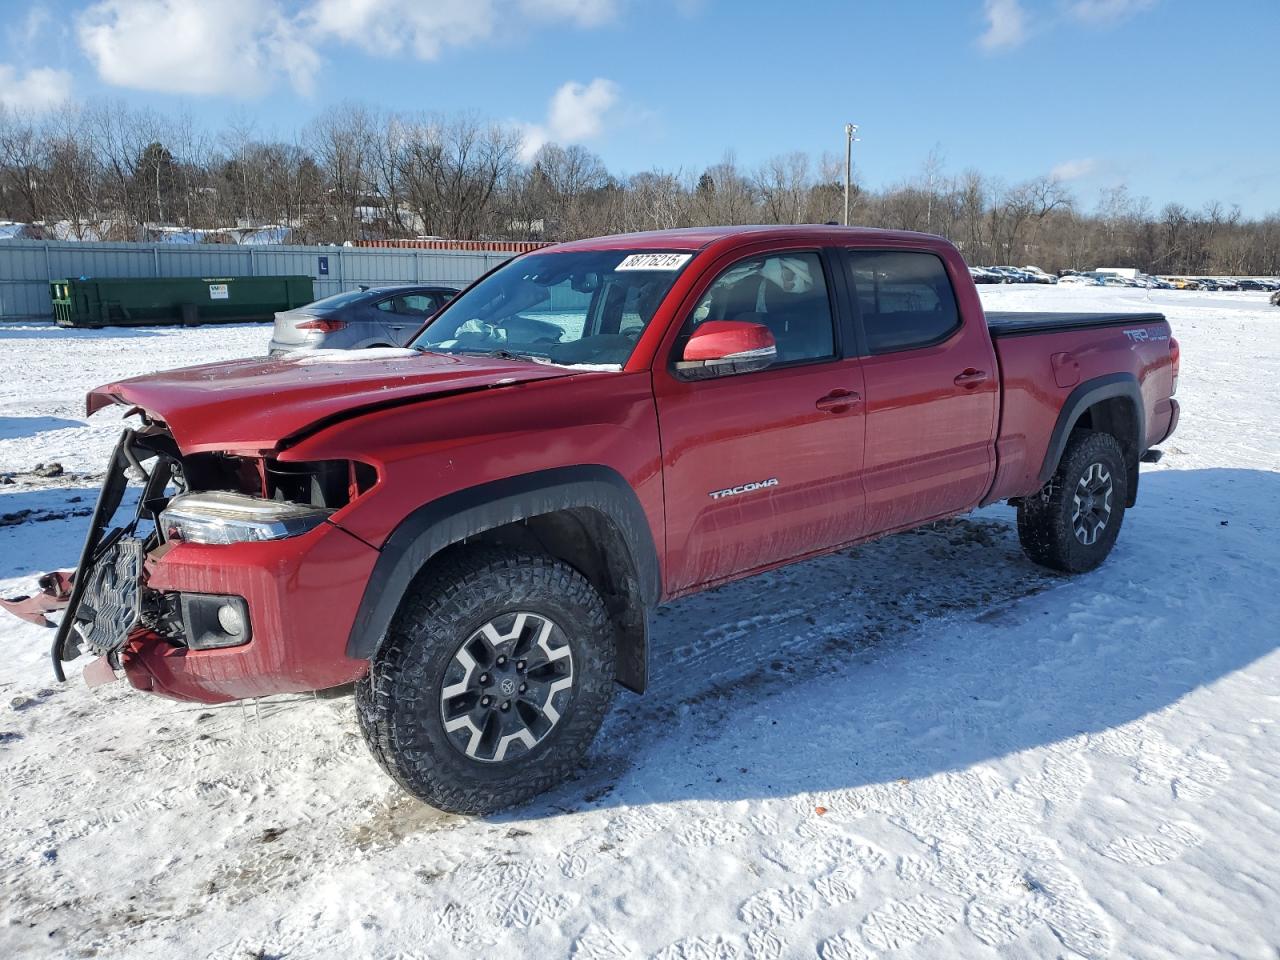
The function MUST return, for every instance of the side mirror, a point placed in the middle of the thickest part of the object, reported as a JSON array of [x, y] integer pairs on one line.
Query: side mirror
[[719, 348]]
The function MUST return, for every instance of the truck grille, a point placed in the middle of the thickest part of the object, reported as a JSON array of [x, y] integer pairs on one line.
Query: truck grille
[[110, 607]]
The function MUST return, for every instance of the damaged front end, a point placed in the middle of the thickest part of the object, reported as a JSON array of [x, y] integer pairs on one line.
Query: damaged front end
[[106, 604], [55, 591], [174, 574]]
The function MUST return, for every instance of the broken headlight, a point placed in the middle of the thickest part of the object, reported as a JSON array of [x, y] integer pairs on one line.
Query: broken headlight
[[220, 516]]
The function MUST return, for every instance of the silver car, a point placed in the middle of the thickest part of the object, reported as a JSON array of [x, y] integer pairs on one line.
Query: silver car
[[365, 317]]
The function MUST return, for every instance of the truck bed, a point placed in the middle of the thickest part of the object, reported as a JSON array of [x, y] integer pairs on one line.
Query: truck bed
[[1011, 324]]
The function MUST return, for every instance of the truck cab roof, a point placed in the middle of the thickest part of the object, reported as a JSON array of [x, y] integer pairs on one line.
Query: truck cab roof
[[698, 238]]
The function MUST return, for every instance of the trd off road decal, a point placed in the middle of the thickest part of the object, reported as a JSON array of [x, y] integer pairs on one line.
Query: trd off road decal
[[743, 488], [1143, 335]]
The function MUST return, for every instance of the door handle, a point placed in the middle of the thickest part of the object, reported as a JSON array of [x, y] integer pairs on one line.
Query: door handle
[[970, 378], [838, 401]]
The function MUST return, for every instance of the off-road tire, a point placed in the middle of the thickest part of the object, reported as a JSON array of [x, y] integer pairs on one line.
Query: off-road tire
[[398, 703], [1045, 519]]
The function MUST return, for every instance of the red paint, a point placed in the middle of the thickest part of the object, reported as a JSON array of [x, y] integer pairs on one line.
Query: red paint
[[302, 595], [1066, 369], [254, 404], [55, 593], [721, 338], [1031, 397], [735, 474]]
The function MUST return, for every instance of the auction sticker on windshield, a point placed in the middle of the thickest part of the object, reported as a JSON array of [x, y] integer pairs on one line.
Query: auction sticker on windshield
[[654, 261]]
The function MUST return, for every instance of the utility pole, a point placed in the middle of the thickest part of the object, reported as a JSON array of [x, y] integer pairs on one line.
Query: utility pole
[[849, 130]]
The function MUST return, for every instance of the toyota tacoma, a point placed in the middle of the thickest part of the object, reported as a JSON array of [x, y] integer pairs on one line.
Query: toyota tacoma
[[474, 530]]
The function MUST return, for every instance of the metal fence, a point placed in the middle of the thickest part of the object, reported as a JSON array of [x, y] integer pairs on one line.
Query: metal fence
[[27, 266]]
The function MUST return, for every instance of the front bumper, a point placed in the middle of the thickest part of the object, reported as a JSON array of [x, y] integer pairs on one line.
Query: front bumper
[[302, 594], [126, 599]]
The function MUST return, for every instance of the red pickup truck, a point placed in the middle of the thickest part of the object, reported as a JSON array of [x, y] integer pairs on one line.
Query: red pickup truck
[[475, 529]]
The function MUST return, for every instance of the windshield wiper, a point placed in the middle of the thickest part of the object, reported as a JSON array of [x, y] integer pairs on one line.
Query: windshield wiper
[[503, 354], [499, 353]]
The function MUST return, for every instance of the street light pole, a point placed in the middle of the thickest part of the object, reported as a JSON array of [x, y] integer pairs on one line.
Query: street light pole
[[849, 130]]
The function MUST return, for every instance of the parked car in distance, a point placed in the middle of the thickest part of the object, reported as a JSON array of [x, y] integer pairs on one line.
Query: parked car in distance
[[1247, 283], [356, 319], [1275, 299], [1039, 276], [983, 275], [476, 532], [1079, 280]]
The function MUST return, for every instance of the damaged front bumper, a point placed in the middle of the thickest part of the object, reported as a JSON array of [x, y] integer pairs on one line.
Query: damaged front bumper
[[143, 604], [105, 602], [54, 593]]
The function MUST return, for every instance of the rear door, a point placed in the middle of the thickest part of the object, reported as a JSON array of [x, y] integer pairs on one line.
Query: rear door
[[931, 388], [404, 313], [762, 467]]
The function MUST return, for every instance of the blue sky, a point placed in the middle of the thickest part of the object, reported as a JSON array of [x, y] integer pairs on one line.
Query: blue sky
[[1174, 98]]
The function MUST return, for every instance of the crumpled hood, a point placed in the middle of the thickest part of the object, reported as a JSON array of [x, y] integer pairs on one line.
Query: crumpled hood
[[243, 405]]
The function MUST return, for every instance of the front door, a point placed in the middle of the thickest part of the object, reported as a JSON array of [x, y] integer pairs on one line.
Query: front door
[[762, 467]]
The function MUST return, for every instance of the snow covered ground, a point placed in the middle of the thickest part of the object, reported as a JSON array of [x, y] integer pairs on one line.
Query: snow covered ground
[[923, 747]]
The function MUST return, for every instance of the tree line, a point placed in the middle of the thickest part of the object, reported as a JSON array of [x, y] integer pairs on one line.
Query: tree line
[[106, 171]]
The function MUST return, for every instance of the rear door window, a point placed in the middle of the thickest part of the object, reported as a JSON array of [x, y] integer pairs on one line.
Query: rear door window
[[904, 298], [409, 305]]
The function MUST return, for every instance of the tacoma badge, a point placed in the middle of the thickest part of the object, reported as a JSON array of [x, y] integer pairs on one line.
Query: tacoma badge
[[743, 488]]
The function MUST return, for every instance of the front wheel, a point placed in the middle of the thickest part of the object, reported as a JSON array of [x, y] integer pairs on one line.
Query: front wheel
[[1072, 523], [495, 676]]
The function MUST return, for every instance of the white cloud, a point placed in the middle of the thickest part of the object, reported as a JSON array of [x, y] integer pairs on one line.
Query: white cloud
[[577, 113], [1074, 169], [1107, 11], [586, 13], [246, 47], [385, 27], [1006, 24], [237, 47], [39, 89], [1009, 25]]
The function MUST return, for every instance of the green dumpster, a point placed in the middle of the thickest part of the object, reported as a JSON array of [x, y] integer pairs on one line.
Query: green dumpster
[[147, 301]]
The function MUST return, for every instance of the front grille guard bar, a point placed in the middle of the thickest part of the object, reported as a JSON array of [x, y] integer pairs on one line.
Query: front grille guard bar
[[132, 450]]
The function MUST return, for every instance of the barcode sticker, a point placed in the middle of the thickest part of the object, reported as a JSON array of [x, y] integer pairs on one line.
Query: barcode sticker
[[654, 261]]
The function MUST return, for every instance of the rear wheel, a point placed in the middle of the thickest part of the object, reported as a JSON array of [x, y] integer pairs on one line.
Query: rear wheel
[[1072, 523], [495, 676]]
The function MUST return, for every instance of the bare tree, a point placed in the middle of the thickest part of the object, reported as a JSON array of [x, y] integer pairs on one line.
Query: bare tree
[[783, 184], [23, 160], [107, 171]]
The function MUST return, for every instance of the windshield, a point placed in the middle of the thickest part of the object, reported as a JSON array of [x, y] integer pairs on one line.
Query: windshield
[[569, 308]]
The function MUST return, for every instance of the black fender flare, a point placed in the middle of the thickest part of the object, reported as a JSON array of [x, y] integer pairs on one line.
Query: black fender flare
[[1081, 399], [453, 518]]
